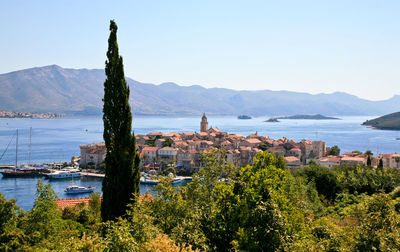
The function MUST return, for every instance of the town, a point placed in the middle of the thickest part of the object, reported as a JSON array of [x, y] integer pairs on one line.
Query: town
[[183, 150], [9, 114]]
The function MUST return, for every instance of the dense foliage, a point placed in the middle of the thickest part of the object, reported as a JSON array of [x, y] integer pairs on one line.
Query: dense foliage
[[334, 151], [121, 182], [259, 207]]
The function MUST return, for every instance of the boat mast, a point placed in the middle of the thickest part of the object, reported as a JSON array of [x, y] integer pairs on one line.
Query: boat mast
[[16, 152], [30, 144]]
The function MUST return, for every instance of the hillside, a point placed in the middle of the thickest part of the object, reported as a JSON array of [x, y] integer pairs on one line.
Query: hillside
[[389, 122], [79, 92]]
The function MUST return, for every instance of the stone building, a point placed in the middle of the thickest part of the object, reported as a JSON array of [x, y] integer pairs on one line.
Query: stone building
[[293, 163], [92, 153], [390, 160], [167, 154], [204, 123]]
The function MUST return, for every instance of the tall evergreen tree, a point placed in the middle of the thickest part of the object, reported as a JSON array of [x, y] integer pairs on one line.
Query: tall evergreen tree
[[121, 181]]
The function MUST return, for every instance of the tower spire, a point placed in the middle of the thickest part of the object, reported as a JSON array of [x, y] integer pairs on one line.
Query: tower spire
[[204, 123]]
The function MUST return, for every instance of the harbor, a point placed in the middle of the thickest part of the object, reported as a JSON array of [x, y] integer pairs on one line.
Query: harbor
[[24, 189]]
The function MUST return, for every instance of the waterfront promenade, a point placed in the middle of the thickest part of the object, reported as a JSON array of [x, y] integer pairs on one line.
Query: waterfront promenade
[[97, 175]]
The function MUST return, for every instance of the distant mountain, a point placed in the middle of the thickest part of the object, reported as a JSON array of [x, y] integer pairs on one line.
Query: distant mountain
[[309, 117], [79, 92], [386, 122]]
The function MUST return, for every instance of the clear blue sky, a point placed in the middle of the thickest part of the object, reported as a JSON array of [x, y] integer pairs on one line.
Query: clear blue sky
[[309, 46]]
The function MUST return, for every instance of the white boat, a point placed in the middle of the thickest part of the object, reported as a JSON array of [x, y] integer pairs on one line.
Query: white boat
[[78, 189], [148, 181], [176, 181], [64, 173]]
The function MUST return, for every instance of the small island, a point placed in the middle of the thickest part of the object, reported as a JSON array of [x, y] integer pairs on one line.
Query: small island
[[244, 117], [386, 122], [308, 117], [272, 120]]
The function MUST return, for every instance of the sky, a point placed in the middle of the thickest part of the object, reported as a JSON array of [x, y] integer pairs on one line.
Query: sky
[[316, 46]]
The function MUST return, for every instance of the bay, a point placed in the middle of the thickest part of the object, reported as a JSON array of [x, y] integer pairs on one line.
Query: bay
[[57, 140]]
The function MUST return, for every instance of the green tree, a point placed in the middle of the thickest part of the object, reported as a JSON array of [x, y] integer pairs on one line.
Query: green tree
[[44, 223], [167, 143], [9, 212], [369, 155], [324, 179], [121, 181], [380, 226], [334, 151], [263, 147], [176, 216], [364, 179], [380, 164], [254, 213], [10, 235], [369, 162]]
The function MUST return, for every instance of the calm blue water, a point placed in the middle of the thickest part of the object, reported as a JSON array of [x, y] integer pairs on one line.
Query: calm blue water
[[23, 189], [55, 140]]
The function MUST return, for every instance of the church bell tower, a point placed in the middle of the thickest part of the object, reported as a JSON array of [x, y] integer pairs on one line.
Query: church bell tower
[[204, 123]]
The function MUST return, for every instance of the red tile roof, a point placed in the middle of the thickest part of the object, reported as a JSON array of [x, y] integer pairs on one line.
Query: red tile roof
[[330, 159], [291, 159], [353, 159], [253, 141], [150, 148], [63, 203], [155, 134]]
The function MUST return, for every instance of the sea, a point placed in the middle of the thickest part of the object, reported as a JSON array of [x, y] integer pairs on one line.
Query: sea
[[57, 140]]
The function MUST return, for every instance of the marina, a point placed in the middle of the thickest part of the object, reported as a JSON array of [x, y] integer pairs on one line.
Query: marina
[[24, 188]]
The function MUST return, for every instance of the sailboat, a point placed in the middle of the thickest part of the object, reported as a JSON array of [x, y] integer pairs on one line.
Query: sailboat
[[23, 171]]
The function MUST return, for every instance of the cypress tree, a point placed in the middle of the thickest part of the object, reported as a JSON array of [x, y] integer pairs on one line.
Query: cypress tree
[[121, 181], [380, 164]]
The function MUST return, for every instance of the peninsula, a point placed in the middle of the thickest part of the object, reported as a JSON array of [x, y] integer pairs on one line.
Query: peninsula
[[386, 122], [272, 120], [309, 117]]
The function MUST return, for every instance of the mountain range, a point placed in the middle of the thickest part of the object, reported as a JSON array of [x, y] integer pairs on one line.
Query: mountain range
[[80, 92]]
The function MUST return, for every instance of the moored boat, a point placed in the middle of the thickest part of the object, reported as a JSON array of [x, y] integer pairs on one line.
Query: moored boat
[[78, 189], [24, 171], [64, 173], [176, 181], [148, 181]]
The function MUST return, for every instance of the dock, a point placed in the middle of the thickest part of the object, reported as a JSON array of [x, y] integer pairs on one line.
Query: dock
[[97, 175], [184, 177], [90, 174]]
